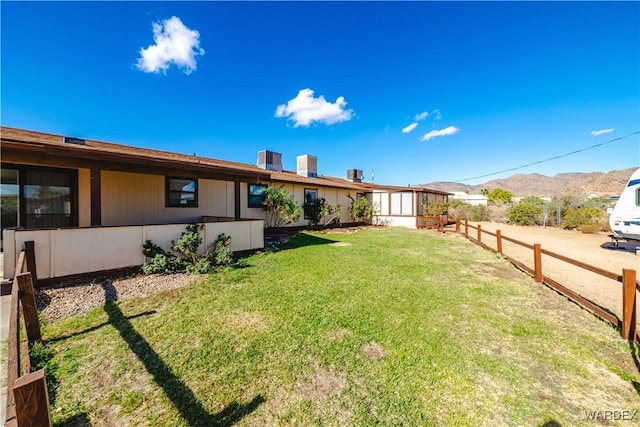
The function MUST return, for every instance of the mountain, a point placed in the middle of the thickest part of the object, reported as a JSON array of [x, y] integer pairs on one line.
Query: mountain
[[574, 183]]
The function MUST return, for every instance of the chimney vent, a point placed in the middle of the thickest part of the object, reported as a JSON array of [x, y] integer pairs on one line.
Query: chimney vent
[[354, 175], [76, 141], [270, 160], [307, 166]]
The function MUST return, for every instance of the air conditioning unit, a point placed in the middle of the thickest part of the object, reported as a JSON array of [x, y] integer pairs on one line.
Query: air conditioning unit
[[354, 175], [307, 165], [270, 160]]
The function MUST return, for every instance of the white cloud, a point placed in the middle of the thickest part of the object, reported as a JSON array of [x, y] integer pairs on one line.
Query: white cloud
[[439, 132], [437, 113], [601, 131], [304, 110], [421, 116], [409, 128], [174, 44]]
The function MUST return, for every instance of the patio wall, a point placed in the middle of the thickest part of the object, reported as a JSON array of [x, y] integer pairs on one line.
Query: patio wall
[[65, 252]]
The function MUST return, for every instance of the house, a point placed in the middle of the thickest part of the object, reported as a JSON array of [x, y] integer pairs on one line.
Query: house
[[471, 199], [402, 206], [90, 205]]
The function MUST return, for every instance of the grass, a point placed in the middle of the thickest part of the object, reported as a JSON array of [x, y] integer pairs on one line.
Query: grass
[[381, 326]]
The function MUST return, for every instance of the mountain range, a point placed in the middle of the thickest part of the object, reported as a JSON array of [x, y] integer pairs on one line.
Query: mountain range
[[574, 183]]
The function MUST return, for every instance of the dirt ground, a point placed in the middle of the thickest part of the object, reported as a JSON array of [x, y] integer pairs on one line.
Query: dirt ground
[[594, 249]]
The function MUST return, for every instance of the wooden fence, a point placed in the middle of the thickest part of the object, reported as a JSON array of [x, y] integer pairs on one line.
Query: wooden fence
[[27, 396], [628, 280]]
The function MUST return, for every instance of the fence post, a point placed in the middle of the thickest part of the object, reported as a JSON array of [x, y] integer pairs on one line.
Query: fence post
[[30, 252], [29, 308], [628, 304], [457, 225], [479, 234], [32, 400], [499, 241], [537, 262], [466, 228]]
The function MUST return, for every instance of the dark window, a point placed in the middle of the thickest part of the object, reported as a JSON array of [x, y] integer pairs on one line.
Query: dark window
[[39, 197], [182, 192], [310, 198], [638, 197], [256, 195]]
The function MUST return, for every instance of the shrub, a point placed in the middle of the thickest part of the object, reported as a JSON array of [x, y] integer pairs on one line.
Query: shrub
[[499, 195], [468, 212], [184, 255], [280, 206], [525, 214], [218, 253], [319, 209], [576, 218], [360, 209]]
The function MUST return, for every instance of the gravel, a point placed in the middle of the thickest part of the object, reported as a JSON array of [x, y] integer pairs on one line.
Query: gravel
[[63, 301]]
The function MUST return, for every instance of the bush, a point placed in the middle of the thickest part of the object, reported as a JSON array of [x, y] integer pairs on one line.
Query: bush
[[470, 212], [581, 217], [280, 206], [319, 209], [360, 209], [524, 213], [183, 255]]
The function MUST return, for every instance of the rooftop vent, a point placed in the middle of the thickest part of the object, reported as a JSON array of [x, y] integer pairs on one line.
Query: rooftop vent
[[354, 175], [76, 141], [307, 166], [270, 160]]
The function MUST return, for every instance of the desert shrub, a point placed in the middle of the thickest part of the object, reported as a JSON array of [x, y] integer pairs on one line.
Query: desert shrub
[[280, 206], [499, 195], [576, 218], [525, 214], [219, 253], [183, 255], [360, 209], [318, 209], [470, 212], [164, 264]]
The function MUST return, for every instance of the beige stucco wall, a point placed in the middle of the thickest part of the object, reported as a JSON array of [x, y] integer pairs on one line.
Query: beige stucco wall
[[64, 252], [331, 195], [133, 199], [84, 197]]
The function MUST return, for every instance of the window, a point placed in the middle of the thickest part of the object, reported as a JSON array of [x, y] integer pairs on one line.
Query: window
[[182, 192], [39, 197], [256, 195], [310, 198], [638, 197]]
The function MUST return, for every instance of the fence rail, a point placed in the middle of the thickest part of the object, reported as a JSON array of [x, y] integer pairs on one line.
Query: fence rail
[[27, 396], [630, 286]]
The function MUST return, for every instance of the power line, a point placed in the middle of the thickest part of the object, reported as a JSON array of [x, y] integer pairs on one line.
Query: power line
[[551, 158]]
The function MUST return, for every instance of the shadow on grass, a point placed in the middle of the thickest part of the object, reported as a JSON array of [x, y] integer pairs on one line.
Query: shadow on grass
[[177, 391], [304, 239], [95, 328]]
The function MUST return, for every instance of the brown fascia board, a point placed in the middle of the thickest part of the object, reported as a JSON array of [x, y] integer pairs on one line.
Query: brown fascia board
[[130, 159], [372, 187]]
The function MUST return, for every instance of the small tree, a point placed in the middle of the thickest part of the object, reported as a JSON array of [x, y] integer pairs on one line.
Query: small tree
[[360, 209], [525, 213], [500, 195], [280, 206]]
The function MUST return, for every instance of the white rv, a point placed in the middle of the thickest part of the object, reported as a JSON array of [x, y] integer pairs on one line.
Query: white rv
[[625, 216]]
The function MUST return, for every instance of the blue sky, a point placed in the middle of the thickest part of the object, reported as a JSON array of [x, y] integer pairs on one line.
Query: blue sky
[[417, 91]]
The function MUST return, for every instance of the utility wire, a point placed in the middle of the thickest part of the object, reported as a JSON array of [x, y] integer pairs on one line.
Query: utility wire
[[551, 158]]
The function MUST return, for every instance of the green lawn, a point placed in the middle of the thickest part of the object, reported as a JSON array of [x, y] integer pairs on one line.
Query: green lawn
[[380, 326]]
